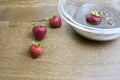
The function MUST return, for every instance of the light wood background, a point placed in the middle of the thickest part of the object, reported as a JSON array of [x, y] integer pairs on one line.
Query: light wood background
[[67, 56]]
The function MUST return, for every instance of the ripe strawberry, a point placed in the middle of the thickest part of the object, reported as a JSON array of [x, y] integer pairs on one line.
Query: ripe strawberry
[[39, 31], [55, 21], [94, 17], [36, 50]]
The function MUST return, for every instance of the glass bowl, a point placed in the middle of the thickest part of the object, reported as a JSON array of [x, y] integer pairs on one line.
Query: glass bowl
[[74, 12]]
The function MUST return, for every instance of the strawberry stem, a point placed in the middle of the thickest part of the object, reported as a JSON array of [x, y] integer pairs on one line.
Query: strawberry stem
[[36, 44], [40, 45], [43, 24], [96, 13], [34, 25]]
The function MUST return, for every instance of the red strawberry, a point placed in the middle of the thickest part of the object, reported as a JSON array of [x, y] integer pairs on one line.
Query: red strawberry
[[94, 17], [39, 31], [36, 50], [55, 21]]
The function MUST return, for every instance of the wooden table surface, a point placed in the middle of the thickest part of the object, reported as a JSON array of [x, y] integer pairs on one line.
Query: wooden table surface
[[67, 56]]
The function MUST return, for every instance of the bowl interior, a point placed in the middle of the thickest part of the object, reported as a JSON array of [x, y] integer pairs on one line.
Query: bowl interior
[[77, 11]]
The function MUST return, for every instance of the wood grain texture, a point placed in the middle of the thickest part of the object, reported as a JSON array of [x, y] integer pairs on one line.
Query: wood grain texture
[[68, 56]]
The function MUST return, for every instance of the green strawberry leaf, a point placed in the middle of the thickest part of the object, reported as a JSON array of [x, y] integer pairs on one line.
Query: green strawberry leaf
[[34, 25], [44, 24], [96, 13], [37, 44], [34, 43], [93, 13], [40, 45]]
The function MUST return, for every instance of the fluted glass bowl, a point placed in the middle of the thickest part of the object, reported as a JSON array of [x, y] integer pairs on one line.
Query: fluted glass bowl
[[74, 12]]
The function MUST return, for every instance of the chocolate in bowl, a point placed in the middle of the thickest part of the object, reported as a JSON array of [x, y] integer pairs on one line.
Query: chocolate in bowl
[[110, 16]]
